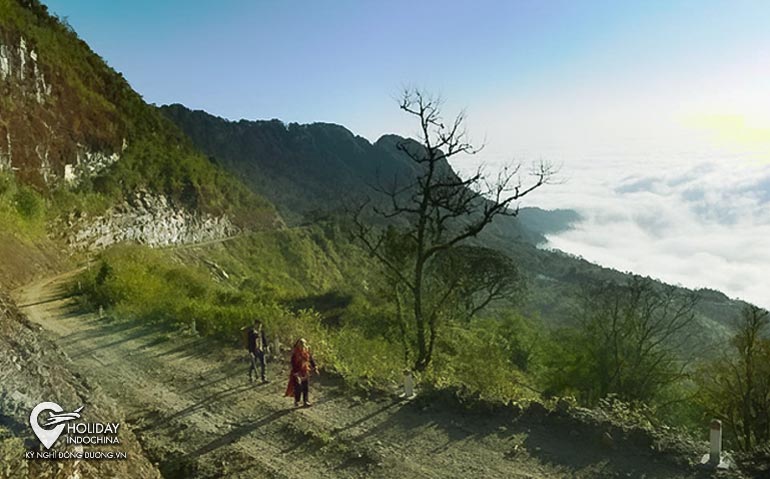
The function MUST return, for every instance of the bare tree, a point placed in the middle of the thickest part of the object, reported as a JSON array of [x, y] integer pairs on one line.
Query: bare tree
[[627, 341], [737, 386], [433, 213], [639, 328]]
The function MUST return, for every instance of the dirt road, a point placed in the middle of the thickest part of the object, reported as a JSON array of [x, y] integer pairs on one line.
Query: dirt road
[[196, 414]]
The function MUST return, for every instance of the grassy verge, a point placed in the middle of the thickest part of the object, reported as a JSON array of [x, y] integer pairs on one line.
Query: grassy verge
[[303, 282]]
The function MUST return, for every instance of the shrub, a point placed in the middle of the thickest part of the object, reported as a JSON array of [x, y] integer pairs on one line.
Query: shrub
[[483, 358], [365, 362], [474, 360]]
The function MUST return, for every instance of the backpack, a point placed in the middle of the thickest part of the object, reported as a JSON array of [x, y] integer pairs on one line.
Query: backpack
[[245, 337]]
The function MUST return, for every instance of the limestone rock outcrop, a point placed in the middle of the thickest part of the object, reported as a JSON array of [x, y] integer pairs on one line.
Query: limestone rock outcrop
[[146, 219]]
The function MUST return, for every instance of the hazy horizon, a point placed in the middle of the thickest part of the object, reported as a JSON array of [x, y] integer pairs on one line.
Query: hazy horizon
[[658, 112]]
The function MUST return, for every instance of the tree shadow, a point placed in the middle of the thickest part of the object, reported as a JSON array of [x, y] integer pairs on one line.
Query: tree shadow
[[562, 442], [239, 432], [548, 438], [45, 300], [57, 294], [329, 305], [207, 401], [193, 348], [456, 422], [230, 372], [111, 330], [366, 418]]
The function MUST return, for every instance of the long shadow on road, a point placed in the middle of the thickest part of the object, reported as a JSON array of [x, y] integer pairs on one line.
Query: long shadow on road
[[366, 418], [229, 370], [107, 331], [547, 439], [239, 432], [210, 400]]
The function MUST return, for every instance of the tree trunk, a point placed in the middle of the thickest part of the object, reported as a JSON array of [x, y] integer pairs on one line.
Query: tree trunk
[[402, 326], [419, 321]]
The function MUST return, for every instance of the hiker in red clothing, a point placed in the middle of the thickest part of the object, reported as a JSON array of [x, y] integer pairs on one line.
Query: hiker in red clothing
[[302, 364]]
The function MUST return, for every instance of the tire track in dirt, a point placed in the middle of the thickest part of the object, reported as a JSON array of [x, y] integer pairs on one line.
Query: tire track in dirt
[[131, 364]]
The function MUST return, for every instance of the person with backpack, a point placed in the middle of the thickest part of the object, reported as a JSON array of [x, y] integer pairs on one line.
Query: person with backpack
[[302, 364], [256, 342]]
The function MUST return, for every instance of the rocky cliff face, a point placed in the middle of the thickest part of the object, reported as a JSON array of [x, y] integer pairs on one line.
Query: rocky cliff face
[[69, 121], [23, 79], [19, 63], [48, 131], [146, 219]]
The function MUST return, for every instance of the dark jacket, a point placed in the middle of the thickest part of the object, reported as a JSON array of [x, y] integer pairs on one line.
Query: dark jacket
[[257, 340]]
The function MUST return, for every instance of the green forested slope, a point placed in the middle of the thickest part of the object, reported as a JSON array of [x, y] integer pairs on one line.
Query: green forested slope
[[309, 170], [305, 169], [61, 105]]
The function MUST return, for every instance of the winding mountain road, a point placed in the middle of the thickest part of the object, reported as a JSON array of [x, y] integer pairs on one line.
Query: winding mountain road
[[196, 415]]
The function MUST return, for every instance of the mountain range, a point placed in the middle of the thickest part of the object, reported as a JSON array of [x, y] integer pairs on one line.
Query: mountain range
[[311, 170], [82, 143]]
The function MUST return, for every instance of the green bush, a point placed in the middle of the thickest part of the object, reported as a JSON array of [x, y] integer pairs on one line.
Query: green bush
[[22, 209], [366, 362], [139, 283], [474, 360], [484, 358], [7, 184]]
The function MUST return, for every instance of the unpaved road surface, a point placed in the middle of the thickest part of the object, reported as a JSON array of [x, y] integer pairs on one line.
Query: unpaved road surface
[[196, 415]]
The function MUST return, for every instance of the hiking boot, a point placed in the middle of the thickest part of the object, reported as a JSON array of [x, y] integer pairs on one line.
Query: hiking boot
[[265, 381], [307, 404], [296, 403]]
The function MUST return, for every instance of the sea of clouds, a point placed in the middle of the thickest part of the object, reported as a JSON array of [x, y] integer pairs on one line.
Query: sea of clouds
[[699, 223]]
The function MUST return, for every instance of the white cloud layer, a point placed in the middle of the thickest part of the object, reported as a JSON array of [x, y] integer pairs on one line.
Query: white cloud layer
[[703, 223]]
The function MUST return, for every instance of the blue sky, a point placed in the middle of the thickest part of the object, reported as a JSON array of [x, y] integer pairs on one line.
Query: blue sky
[[344, 61], [659, 111]]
